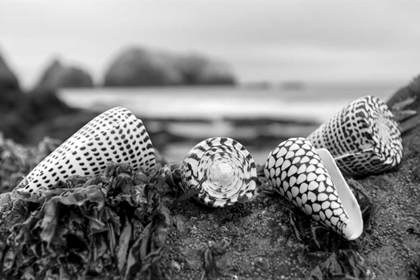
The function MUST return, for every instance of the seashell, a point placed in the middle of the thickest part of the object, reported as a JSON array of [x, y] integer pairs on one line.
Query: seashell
[[115, 135], [311, 180], [221, 171], [363, 137]]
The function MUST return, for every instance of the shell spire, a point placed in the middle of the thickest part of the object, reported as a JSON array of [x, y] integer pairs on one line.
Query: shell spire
[[223, 171], [115, 135], [363, 137], [311, 180]]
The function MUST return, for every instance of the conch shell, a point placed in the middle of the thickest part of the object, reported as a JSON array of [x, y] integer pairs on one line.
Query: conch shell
[[363, 137], [311, 180], [221, 171], [115, 135]]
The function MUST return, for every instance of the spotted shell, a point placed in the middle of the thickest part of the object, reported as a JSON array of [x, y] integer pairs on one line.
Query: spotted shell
[[363, 137], [311, 180], [115, 135], [222, 169]]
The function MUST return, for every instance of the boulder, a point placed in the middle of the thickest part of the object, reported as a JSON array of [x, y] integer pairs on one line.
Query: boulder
[[8, 80], [141, 67], [42, 104], [410, 91], [58, 76], [11, 124], [198, 70], [10, 92], [61, 127]]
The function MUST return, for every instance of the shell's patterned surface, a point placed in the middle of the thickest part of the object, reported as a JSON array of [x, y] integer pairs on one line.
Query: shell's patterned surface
[[229, 172], [365, 124], [295, 169], [115, 135]]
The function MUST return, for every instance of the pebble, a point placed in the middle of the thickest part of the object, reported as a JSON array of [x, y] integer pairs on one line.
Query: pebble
[[175, 266], [261, 263], [416, 172]]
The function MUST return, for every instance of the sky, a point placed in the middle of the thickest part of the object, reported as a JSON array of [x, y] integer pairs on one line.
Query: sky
[[319, 41]]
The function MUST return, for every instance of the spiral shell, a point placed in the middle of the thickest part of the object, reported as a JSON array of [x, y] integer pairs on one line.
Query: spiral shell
[[363, 137], [222, 169], [310, 179], [115, 135]]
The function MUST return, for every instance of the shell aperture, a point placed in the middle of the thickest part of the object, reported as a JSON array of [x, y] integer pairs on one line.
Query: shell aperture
[[312, 182], [363, 137], [115, 135], [222, 169]]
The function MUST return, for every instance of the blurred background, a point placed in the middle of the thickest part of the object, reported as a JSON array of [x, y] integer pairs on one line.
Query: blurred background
[[257, 71]]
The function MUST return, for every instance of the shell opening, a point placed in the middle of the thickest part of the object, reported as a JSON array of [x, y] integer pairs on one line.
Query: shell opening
[[382, 126], [221, 174], [355, 226], [224, 179]]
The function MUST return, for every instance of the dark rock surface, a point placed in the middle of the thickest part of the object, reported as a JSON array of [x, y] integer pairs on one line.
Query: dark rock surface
[[142, 67], [58, 75]]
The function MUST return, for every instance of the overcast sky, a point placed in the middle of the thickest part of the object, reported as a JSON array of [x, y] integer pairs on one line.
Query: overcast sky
[[279, 40]]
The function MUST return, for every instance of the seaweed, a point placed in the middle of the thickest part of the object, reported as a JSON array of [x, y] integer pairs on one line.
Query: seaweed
[[344, 264], [104, 227], [16, 160]]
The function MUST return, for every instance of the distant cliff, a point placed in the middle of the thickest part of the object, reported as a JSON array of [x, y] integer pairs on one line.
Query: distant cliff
[[142, 67]]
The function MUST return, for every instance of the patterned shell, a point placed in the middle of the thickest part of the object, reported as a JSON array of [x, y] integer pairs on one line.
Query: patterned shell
[[222, 169], [115, 135], [296, 170], [363, 137]]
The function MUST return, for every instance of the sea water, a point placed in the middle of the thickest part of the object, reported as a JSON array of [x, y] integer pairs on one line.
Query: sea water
[[314, 103]]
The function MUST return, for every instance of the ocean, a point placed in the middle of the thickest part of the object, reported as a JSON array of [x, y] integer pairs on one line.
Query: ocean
[[189, 114]]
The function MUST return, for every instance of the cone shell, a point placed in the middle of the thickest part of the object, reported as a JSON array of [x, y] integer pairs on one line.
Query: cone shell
[[297, 171], [115, 135], [229, 172], [365, 124]]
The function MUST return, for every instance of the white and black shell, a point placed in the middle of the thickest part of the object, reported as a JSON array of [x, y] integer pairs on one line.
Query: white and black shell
[[222, 169], [363, 137], [115, 135], [297, 171]]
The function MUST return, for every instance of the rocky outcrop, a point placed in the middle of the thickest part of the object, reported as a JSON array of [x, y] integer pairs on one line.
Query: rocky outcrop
[[198, 70], [142, 67], [59, 76], [9, 88], [10, 98], [8, 80]]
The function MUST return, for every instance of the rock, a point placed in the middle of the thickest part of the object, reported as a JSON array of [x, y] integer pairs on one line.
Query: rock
[[10, 92], [10, 97], [141, 67], [412, 90], [58, 76], [41, 105], [197, 70], [8, 80], [60, 127], [407, 99]]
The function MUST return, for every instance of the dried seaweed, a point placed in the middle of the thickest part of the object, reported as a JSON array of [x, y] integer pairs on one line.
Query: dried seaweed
[[112, 226]]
